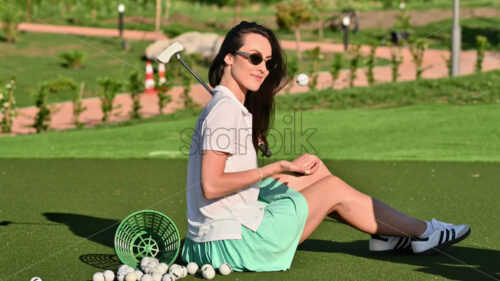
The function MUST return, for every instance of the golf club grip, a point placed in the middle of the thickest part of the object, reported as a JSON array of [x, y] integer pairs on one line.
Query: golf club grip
[[262, 148]]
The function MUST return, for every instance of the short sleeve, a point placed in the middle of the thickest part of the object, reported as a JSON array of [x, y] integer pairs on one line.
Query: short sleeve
[[220, 128]]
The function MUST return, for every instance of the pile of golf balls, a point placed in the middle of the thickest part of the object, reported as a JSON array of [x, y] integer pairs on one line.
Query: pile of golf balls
[[152, 270]]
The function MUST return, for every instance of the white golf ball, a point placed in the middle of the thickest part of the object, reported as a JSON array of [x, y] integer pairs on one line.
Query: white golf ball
[[164, 267], [98, 276], [184, 272], [302, 79], [146, 277], [192, 267], [123, 268], [109, 275], [131, 276], [225, 269], [168, 277], [36, 279], [145, 261], [156, 276], [139, 274], [209, 273], [205, 266], [147, 269], [152, 264], [177, 272]]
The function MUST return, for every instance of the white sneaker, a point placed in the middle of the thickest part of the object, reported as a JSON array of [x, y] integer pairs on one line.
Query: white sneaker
[[381, 245], [444, 235]]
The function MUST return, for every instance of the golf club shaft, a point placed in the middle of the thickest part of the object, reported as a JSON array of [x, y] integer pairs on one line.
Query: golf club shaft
[[261, 146], [194, 74]]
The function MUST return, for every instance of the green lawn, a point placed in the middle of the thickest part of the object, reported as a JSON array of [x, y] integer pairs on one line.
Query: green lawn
[[58, 217], [422, 132]]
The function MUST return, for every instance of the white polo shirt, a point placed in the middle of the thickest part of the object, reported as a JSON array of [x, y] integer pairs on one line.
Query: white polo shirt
[[224, 125]]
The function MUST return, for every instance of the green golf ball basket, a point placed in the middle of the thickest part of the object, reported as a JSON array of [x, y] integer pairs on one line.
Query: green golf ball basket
[[147, 234]]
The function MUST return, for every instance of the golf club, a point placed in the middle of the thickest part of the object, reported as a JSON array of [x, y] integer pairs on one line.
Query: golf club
[[174, 50]]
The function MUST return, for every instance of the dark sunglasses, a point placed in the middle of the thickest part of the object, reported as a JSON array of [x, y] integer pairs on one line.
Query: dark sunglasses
[[256, 59]]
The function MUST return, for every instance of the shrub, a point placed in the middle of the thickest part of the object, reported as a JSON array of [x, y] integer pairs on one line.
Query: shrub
[[396, 60], [10, 21], [77, 106], [370, 77], [73, 59], [314, 55], [163, 98], [110, 87], [355, 55], [42, 118], [417, 50], [338, 61], [7, 106], [136, 87], [481, 44]]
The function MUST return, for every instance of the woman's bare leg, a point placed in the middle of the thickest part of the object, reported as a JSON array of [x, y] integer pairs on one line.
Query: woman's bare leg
[[331, 195]]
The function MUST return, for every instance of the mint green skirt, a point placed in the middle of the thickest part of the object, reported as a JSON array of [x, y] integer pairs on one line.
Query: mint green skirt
[[272, 247]]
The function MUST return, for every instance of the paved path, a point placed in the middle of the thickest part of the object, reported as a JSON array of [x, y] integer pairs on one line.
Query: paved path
[[62, 119]]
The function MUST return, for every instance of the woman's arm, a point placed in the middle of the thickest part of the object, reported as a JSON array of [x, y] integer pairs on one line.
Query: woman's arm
[[216, 183]]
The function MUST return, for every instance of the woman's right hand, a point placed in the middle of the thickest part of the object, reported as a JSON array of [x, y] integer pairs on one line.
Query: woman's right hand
[[287, 166]]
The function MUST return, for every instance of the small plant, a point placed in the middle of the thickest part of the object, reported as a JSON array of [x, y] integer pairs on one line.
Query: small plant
[[355, 56], [292, 70], [7, 106], [136, 87], [417, 50], [315, 56], [61, 84], [163, 98], [338, 61], [78, 108], [110, 88], [10, 21], [186, 83], [448, 64], [371, 60], [481, 44], [42, 118], [73, 59], [396, 60]]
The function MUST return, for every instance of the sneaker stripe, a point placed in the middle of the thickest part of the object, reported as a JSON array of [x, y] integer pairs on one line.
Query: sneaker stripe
[[441, 237], [407, 243], [401, 239], [453, 234], [447, 235]]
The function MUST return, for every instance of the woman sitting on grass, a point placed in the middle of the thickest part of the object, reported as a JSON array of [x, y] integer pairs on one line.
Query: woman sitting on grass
[[253, 218]]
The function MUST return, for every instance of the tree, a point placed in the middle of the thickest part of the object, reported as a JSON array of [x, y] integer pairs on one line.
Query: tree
[[291, 16], [319, 6], [158, 15]]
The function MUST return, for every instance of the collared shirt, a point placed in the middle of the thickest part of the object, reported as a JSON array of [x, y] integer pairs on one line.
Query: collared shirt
[[225, 124]]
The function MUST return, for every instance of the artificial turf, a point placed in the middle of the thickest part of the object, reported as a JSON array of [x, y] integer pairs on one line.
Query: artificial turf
[[58, 216]]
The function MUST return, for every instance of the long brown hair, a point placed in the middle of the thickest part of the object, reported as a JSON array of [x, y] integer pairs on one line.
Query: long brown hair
[[261, 102]]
